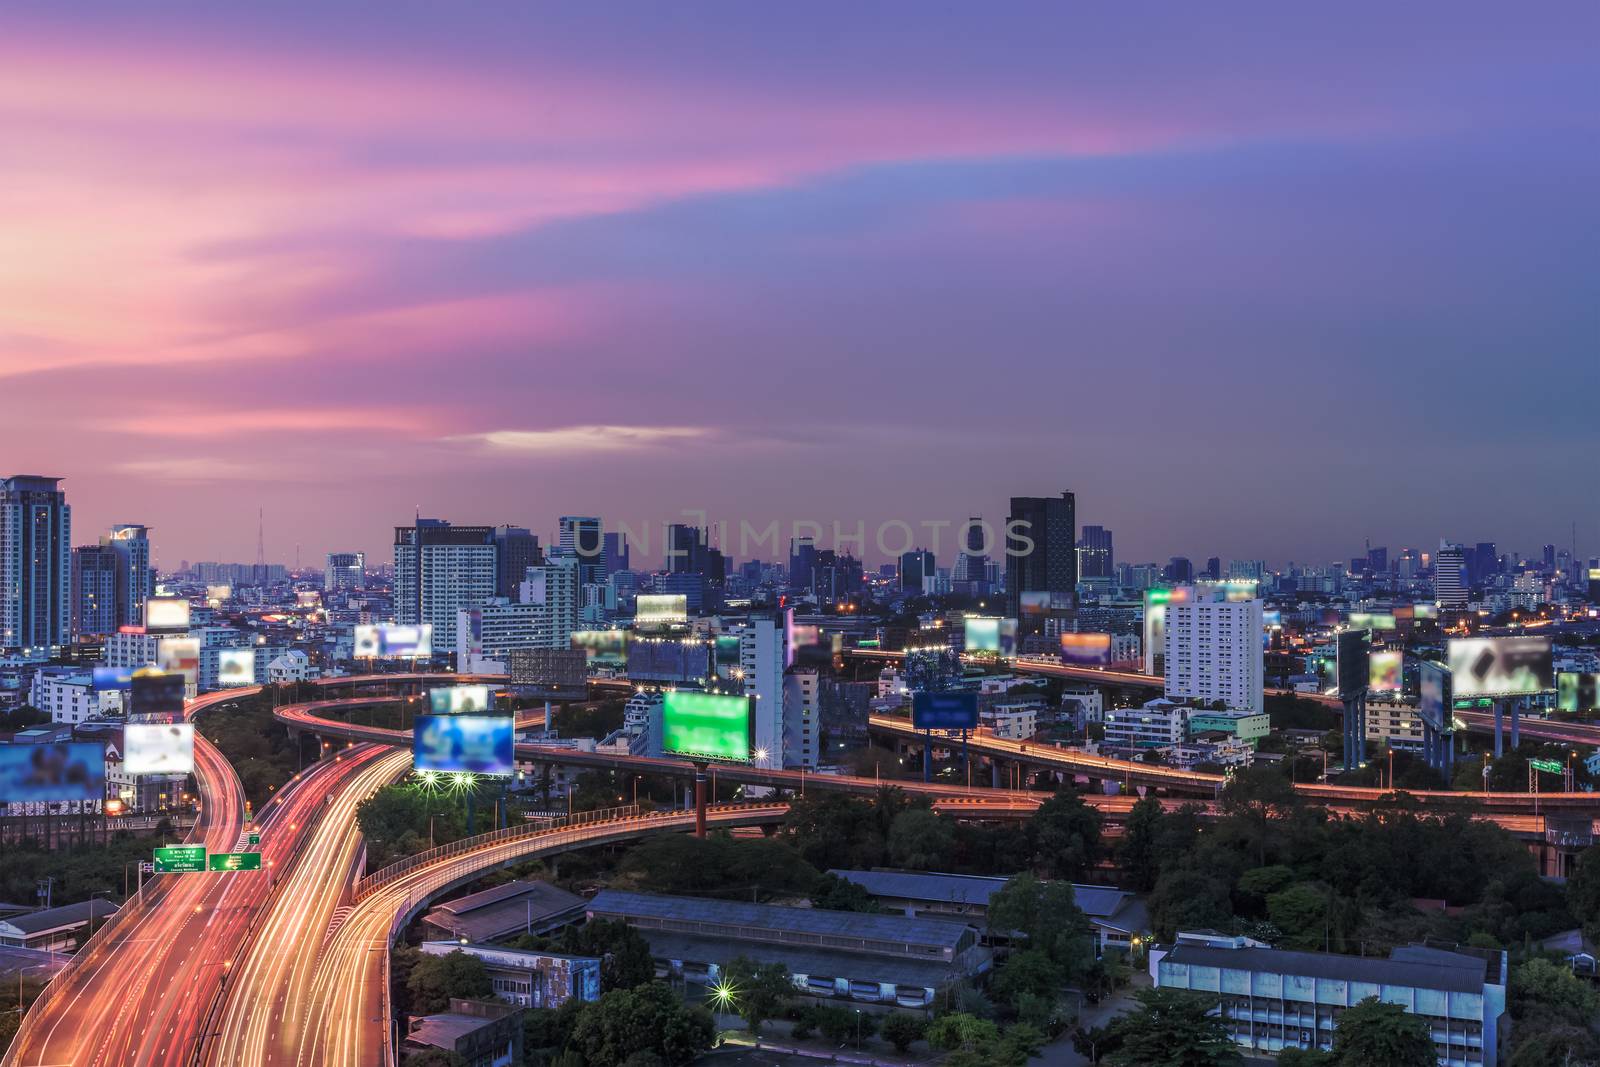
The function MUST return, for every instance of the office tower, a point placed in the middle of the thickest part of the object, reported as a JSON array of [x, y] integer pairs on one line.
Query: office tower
[[94, 591], [1213, 568], [835, 577], [1378, 560], [1449, 576], [802, 555], [1213, 652], [1178, 570], [554, 584], [686, 548], [1095, 558], [1550, 558], [1247, 568], [135, 578], [35, 563], [916, 571], [1042, 551], [616, 552], [1482, 564], [438, 570], [583, 536], [970, 573], [761, 660], [345, 571], [516, 549]]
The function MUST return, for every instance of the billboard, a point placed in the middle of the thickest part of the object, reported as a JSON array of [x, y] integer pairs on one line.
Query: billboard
[[602, 646], [461, 700], [1434, 707], [180, 655], [727, 649], [158, 748], [33, 774], [1386, 671], [661, 609], [1351, 651], [990, 634], [1426, 610], [1501, 666], [1362, 620], [706, 725], [944, 711], [1577, 692], [389, 640], [155, 693], [217, 594], [107, 679], [669, 659], [1089, 650], [166, 613], [476, 744], [236, 666]]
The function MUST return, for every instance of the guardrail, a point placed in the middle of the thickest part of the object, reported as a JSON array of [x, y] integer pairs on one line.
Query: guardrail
[[380, 878]]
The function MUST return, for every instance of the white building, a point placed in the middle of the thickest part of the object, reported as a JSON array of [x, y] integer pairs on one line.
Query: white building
[[1450, 577], [439, 569], [1158, 724], [68, 695], [131, 648], [554, 585], [292, 666], [1213, 652], [761, 660], [802, 718], [1012, 722], [486, 633]]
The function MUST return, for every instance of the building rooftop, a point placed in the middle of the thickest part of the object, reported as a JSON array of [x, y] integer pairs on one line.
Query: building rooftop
[[928, 886], [812, 962], [502, 909], [1434, 970], [37, 922]]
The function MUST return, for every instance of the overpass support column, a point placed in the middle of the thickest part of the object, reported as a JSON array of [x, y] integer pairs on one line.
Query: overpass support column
[[1499, 728], [699, 800], [994, 772], [1516, 721]]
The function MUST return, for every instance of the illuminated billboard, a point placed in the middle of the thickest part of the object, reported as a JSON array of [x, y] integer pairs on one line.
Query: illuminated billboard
[[158, 748], [461, 700], [706, 725], [236, 666], [661, 609], [107, 679], [475, 744], [1352, 649], [180, 655], [154, 693], [1577, 692], [166, 613], [728, 649], [944, 711], [216, 595], [391, 640], [989, 634], [608, 647], [1435, 703], [1386, 672], [1363, 620], [669, 659], [36, 774], [1501, 666], [1088, 650], [1426, 610]]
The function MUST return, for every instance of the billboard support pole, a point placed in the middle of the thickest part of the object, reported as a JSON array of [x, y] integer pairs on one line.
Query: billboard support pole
[[1516, 721], [927, 755], [1499, 728], [700, 800]]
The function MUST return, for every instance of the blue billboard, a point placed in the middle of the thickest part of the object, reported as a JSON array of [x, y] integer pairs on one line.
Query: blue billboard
[[107, 679], [478, 744], [944, 711], [43, 773]]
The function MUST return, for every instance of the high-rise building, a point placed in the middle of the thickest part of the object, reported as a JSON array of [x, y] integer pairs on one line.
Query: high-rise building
[[761, 660], [516, 549], [616, 552], [1450, 577], [135, 578], [917, 571], [583, 536], [440, 569], [94, 591], [1378, 560], [1549, 558], [971, 571], [1095, 557], [1482, 564], [1213, 568], [35, 563], [802, 557], [1247, 568], [1041, 550], [802, 717], [1213, 652], [686, 548], [1179, 570], [345, 571], [554, 584]]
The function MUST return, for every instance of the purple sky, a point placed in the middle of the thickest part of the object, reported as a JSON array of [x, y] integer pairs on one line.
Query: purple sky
[[1252, 281]]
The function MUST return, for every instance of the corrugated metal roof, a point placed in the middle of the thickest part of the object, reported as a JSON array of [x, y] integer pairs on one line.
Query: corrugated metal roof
[[70, 914], [817, 921], [813, 962], [1454, 978], [925, 885]]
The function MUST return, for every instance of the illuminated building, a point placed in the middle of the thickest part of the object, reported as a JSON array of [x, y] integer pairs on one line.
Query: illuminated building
[[135, 577], [439, 569], [582, 536], [1095, 557], [1450, 577], [1212, 651], [345, 571], [94, 591], [554, 585], [35, 563], [1041, 552], [762, 655], [801, 718]]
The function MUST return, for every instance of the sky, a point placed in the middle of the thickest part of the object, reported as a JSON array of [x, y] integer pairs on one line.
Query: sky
[[1252, 280]]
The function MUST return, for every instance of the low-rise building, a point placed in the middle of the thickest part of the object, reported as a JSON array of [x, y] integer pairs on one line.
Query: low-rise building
[[1272, 999], [1248, 726], [60, 929], [530, 979], [482, 1034], [1157, 723], [68, 695], [1012, 722], [1394, 724], [502, 911]]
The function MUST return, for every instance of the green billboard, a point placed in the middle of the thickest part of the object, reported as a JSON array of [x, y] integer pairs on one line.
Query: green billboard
[[235, 861], [708, 725], [180, 859]]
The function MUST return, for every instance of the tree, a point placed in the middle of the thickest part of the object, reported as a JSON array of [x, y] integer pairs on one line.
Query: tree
[[1301, 912], [841, 894], [1065, 836], [435, 979], [1139, 850], [920, 839], [1187, 899], [1583, 892], [760, 990], [1373, 1032], [1047, 917], [902, 1030], [1029, 972], [1173, 1028], [1254, 798], [625, 959], [1551, 993], [647, 1018], [963, 1032]]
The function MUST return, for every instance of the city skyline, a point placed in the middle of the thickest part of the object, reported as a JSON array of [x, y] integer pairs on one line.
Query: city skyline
[[1232, 283]]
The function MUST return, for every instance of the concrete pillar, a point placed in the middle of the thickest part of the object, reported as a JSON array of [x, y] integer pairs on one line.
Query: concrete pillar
[[1499, 728]]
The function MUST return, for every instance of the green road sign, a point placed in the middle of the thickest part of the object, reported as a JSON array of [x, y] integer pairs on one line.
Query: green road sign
[[255, 839], [180, 859], [235, 861], [1548, 766]]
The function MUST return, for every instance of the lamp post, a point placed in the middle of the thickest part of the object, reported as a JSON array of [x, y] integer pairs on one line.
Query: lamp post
[[435, 815]]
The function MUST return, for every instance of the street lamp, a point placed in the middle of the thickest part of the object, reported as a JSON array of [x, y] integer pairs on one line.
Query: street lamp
[[435, 815]]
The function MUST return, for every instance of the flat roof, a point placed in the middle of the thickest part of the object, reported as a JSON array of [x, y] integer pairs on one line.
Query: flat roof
[[816, 962], [781, 918], [1451, 977], [445, 1029], [928, 886]]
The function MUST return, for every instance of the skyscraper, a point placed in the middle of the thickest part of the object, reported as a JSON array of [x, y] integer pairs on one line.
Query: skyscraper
[[616, 552], [1042, 553], [916, 570], [973, 561], [583, 536], [1449, 576], [1095, 557], [135, 580], [35, 563], [1213, 652], [94, 591], [439, 569], [516, 549], [802, 557], [345, 571]]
